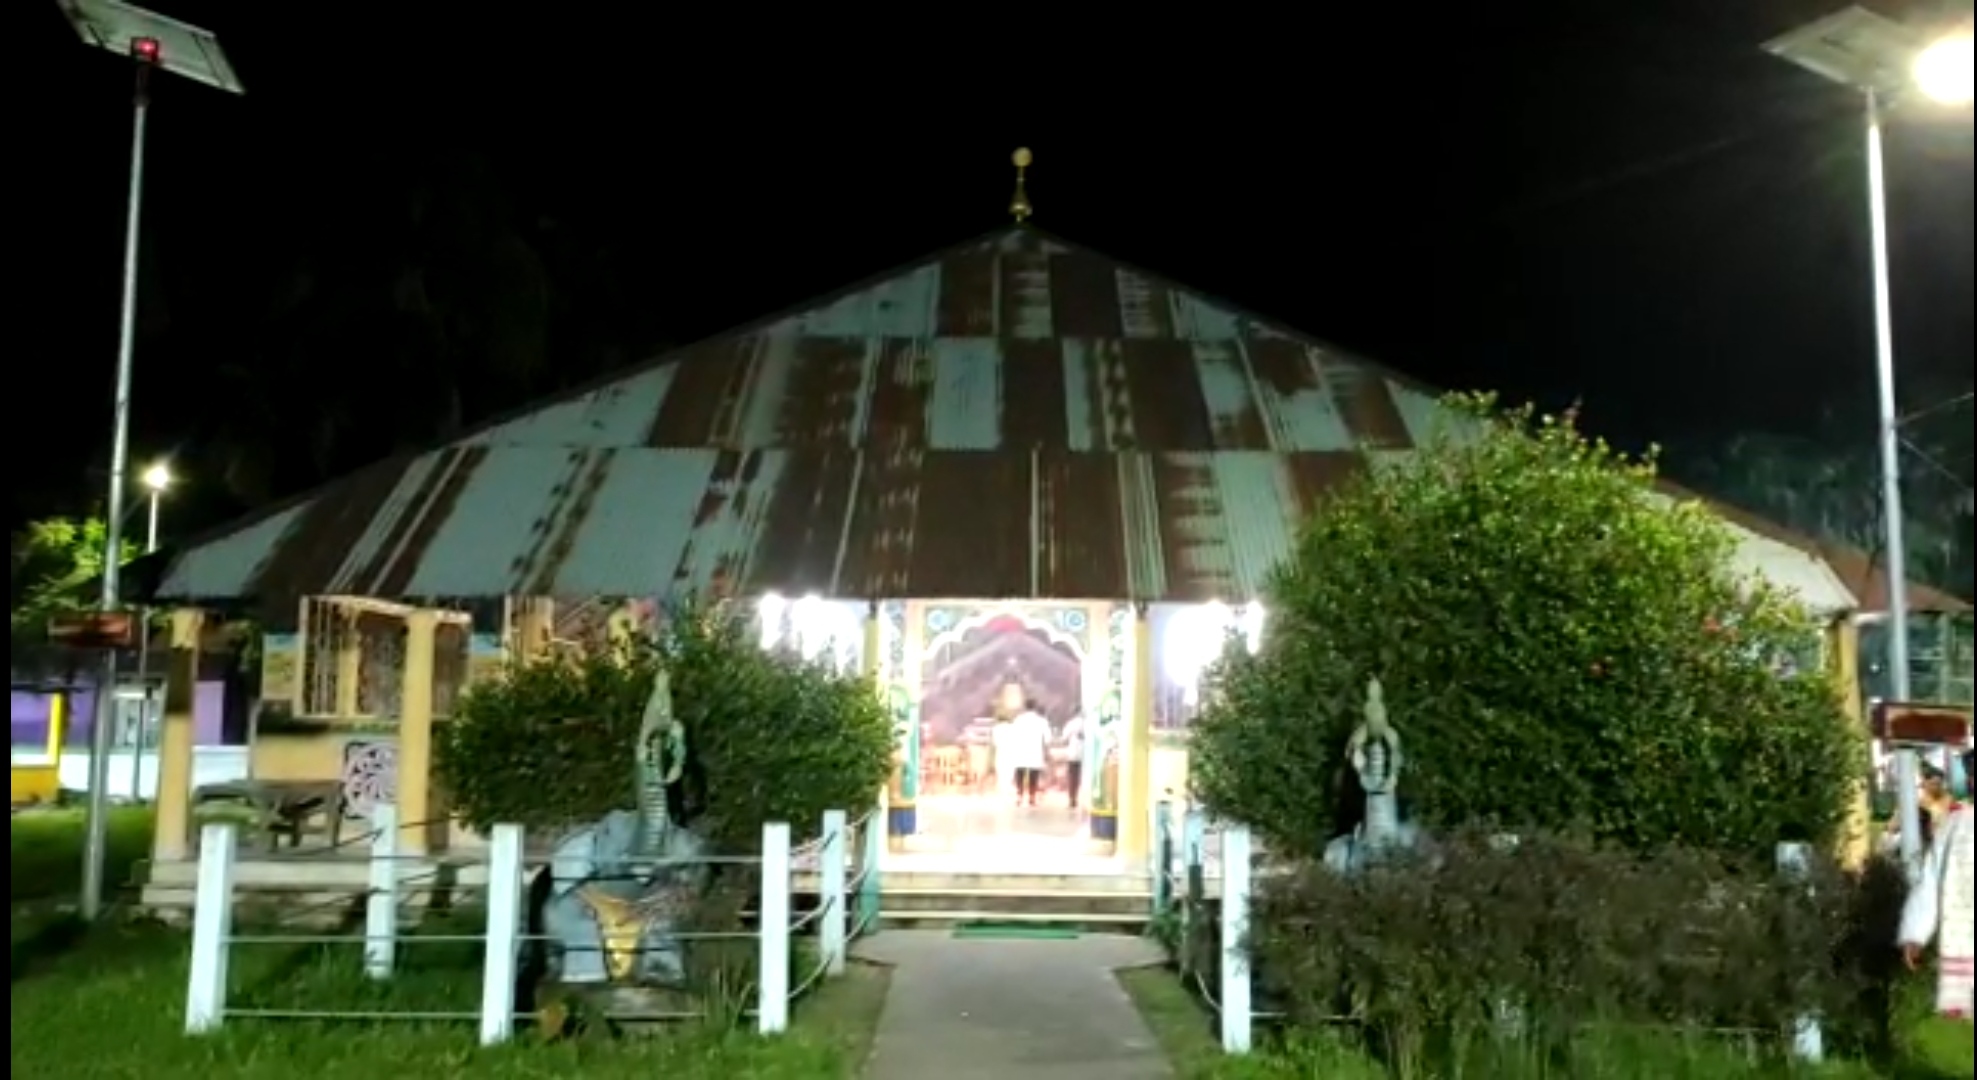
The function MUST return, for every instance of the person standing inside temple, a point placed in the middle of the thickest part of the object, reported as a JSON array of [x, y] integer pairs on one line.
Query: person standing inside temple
[[1028, 747], [1942, 908], [1073, 737]]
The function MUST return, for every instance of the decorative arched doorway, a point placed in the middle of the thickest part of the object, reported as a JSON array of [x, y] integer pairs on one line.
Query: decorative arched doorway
[[976, 667]]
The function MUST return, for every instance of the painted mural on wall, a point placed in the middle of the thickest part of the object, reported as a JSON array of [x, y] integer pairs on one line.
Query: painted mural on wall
[[281, 668], [980, 665]]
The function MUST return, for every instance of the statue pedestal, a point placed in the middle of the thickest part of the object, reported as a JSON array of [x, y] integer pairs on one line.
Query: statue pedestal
[[638, 1011]]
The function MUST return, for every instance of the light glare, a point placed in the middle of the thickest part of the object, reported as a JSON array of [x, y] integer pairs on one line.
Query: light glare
[[1943, 72]]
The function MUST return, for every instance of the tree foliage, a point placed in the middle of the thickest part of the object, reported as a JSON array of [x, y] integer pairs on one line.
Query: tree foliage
[[1560, 649], [549, 743], [53, 562]]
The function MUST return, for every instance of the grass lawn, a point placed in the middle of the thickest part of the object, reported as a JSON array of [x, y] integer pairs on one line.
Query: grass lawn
[[1934, 1050], [112, 1005]]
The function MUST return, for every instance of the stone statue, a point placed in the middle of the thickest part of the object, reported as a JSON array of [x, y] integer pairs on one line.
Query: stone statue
[[619, 888], [1375, 753]]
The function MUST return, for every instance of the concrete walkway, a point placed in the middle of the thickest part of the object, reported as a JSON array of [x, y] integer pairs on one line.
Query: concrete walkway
[[992, 1009]]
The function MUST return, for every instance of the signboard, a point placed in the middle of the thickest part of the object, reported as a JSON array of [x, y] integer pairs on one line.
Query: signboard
[[1927, 725], [94, 630], [281, 668]]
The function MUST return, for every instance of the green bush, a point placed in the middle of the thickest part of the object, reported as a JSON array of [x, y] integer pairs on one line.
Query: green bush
[[549, 743], [1558, 649], [1559, 946]]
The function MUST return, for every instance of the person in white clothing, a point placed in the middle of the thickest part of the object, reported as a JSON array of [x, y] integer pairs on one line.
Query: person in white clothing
[[1942, 907], [1073, 737], [1027, 743]]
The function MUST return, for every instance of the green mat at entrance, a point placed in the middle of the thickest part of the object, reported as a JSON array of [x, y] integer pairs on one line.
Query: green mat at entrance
[[1028, 931]]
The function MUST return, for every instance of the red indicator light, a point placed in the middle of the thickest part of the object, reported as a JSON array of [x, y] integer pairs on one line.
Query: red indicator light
[[145, 49]]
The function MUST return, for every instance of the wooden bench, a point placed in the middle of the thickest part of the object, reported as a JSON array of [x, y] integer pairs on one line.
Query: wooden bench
[[280, 808]]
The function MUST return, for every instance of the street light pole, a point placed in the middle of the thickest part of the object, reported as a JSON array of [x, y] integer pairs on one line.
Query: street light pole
[[1882, 58], [1908, 780], [144, 52], [150, 41]]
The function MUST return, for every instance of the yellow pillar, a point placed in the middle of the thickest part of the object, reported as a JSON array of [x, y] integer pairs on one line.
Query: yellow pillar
[[1843, 664], [58, 715], [170, 840], [534, 618], [874, 670], [1136, 758], [349, 664], [415, 730]]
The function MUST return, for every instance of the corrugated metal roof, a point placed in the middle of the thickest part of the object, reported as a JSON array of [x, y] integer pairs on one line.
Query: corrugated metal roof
[[571, 521], [1014, 417]]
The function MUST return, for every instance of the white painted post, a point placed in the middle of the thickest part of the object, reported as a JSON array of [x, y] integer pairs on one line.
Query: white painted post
[[381, 907], [772, 1010], [836, 918], [1234, 997], [1808, 1040], [212, 926], [504, 934]]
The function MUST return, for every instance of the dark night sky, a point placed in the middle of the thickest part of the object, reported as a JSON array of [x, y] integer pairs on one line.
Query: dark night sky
[[1634, 206]]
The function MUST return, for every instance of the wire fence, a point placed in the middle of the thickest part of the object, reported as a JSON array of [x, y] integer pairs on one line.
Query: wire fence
[[477, 912]]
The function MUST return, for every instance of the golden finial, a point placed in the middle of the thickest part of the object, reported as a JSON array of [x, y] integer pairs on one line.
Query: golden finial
[[1019, 203]]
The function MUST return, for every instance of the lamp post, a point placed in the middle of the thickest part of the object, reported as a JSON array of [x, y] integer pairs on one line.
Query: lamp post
[[156, 480], [152, 42], [1885, 60]]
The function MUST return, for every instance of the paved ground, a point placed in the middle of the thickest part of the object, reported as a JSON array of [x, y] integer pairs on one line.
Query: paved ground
[[992, 1008]]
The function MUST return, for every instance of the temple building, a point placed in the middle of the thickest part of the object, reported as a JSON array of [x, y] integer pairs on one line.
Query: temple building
[[1016, 474]]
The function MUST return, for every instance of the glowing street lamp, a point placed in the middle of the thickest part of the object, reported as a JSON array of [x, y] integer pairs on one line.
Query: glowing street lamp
[[1884, 61], [152, 42]]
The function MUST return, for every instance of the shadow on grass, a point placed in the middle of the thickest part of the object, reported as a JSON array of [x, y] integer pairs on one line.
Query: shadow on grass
[[44, 941]]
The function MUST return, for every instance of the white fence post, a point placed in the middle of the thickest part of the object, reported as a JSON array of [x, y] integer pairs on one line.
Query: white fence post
[[1236, 1016], [1808, 1040], [504, 934], [381, 907], [831, 876], [212, 925], [772, 1011]]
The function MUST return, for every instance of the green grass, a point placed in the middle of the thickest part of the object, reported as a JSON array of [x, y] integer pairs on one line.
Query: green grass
[[113, 1005], [47, 852], [1933, 1049]]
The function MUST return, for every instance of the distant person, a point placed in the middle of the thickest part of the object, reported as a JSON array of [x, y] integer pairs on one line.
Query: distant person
[[1027, 742], [1942, 907], [1934, 804], [1073, 737]]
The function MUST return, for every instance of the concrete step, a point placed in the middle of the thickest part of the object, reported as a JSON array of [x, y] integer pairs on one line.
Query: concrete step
[[1022, 884], [1091, 922]]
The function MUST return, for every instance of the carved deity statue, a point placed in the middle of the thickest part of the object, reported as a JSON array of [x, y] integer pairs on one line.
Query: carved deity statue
[[620, 887], [1375, 752]]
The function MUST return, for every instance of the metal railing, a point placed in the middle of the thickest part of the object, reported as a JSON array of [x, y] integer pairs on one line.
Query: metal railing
[[844, 858]]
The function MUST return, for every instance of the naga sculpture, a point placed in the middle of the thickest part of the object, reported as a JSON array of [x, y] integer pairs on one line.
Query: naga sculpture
[[620, 888], [1375, 752]]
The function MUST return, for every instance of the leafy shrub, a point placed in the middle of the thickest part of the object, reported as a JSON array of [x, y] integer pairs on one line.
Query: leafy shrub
[[1559, 943], [1560, 649], [549, 742]]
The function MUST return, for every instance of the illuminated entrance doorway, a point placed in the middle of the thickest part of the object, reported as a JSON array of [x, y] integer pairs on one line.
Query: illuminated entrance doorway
[[980, 666]]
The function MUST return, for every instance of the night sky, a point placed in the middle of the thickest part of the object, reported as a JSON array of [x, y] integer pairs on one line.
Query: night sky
[[1557, 201]]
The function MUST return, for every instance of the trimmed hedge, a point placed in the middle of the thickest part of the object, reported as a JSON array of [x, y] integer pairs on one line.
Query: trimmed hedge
[[549, 743], [1560, 650]]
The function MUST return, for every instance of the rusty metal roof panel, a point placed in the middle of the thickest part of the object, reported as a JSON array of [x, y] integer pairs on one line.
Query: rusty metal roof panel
[[1014, 417]]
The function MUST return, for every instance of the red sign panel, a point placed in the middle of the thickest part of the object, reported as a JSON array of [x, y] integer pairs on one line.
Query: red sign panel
[[1931, 725], [94, 630]]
